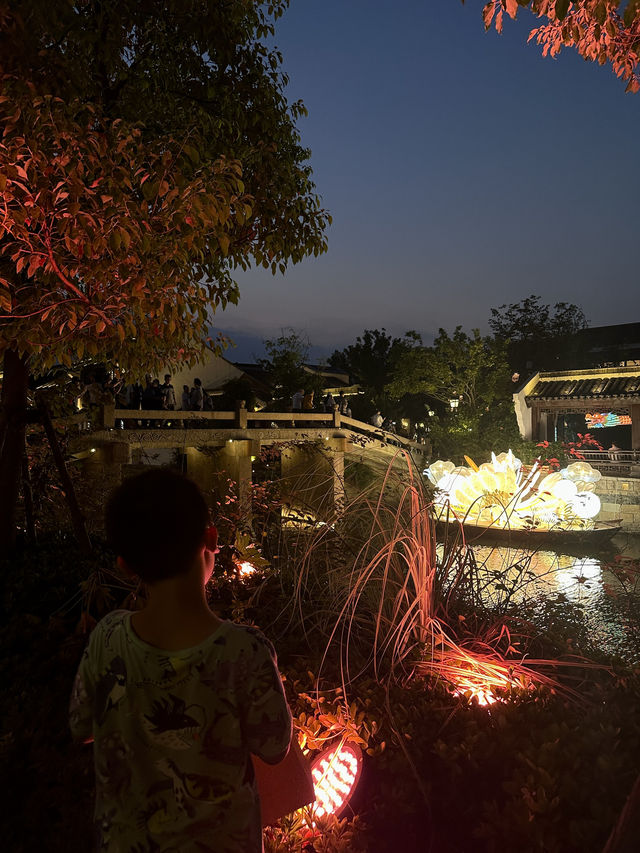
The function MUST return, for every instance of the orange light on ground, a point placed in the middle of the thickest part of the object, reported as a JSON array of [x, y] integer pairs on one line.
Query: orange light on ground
[[335, 774], [483, 695], [245, 569], [480, 675]]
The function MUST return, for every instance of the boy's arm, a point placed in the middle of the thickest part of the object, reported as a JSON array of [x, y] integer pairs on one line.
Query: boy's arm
[[268, 720], [81, 705]]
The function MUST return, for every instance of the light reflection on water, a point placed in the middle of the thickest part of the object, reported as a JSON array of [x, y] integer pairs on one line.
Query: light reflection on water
[[608, 608]]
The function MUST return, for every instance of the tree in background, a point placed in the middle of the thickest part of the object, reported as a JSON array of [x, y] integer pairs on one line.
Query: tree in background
[[235, 390], [537, 336], [148, 150], [603, 31], [286, 357], [370, 363], [471, 370]]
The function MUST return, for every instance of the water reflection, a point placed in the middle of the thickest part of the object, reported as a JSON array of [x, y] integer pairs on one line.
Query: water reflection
[[603, 604]]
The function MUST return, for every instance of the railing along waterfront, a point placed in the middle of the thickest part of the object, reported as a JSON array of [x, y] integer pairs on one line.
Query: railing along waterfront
[[614, 463]]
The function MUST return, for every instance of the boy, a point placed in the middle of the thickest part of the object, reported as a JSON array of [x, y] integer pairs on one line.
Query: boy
[[174, 698]]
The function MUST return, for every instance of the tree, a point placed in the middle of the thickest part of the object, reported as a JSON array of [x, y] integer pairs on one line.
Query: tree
[[370, 363], [148, 150], [469, 368], [286, 357], [603, 31], [473, 371], [538, 337]]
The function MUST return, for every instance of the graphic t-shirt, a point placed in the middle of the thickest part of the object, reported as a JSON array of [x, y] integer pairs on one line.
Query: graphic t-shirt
[[173, 733]]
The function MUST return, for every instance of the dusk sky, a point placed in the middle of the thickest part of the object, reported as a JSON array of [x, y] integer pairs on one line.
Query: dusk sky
[[462, 170]]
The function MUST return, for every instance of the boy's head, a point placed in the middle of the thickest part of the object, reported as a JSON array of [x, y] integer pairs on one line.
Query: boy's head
[[157, 522]]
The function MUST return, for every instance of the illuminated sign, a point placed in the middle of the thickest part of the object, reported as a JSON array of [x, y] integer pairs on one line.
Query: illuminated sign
[[599, 420]]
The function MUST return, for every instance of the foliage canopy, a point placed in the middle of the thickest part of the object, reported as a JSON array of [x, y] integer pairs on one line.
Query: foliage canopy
[[470, 368], [148, 150], [537, 336], [603, 31], [286, 357]]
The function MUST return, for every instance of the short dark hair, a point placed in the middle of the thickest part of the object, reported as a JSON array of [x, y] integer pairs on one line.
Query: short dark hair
[[156, 521]]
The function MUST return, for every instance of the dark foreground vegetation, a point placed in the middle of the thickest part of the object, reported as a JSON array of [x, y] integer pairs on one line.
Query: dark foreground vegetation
[[544, 769]]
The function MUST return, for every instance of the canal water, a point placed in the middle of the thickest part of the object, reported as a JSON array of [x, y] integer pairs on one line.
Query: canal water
[[597, 593]]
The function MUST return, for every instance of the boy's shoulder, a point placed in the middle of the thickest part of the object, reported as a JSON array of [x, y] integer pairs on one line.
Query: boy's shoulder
[[246, 636], [104, 630], [110, 621], [229, 640]]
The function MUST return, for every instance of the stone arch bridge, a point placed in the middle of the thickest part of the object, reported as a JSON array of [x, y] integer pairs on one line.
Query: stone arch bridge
[[217, 446]]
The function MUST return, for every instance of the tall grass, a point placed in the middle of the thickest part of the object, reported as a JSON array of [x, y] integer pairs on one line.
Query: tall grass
[[377, 589]]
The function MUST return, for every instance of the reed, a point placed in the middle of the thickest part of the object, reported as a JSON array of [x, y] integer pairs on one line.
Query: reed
[[379, 591]]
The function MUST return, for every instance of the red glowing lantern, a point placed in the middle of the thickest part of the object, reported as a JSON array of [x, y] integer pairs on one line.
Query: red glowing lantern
[[335, 774]]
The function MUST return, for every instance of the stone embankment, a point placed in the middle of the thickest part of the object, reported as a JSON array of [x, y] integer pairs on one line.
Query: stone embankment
[[620, 498]]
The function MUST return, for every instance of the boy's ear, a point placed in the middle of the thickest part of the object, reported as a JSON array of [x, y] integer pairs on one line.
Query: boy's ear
[[124, 568], [211, 537]]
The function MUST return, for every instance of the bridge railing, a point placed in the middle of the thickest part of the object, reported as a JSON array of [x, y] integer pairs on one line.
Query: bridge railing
[[241, 418]]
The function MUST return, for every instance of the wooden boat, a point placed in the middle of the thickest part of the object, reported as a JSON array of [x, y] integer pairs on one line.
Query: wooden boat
[[530, 538]]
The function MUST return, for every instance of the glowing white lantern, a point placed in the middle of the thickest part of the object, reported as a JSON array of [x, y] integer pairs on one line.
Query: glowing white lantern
[[506, 460], [585, 505], [581, 486], [581, 471], [548, 482], [564, 490], [547, 517], [447, 482], [438, 469]]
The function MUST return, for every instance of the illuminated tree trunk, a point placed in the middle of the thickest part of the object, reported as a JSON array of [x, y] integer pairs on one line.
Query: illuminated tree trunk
[[13, 409]]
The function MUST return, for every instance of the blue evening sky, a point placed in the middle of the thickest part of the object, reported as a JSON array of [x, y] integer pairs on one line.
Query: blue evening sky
[[462, 171]]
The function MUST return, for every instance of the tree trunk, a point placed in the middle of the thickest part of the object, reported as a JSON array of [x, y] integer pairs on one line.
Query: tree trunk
[[27, 497], [624, 836], [13, 409], [77, 518]]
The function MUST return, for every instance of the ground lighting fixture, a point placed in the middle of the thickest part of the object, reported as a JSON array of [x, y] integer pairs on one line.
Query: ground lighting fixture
[[335, 772]]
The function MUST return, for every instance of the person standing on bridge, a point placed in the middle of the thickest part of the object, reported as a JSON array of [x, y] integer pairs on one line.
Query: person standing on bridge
[[196, 397], [296, 400], [307, 404], [169, 394], [168, 398]]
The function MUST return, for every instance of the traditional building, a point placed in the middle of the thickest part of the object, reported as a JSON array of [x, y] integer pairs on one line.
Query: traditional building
[[558, 405]]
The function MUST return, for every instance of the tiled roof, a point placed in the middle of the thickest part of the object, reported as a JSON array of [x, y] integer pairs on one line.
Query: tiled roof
[[592, 387]]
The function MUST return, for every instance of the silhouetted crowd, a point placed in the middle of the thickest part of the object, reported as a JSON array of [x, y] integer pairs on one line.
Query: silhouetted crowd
[[303, 401], [150, 395]]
